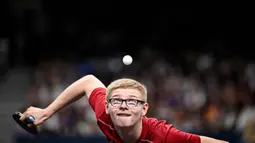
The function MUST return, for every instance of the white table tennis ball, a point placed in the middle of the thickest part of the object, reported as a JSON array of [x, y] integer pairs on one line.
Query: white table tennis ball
[[127, 60]]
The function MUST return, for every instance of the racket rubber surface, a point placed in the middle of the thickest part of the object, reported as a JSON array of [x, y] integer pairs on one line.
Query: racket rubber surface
[[27, 125]]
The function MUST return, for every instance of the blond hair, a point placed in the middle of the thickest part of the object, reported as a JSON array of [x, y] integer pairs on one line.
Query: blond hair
[[126, 83]]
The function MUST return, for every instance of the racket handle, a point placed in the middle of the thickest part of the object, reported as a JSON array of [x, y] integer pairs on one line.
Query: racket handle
[[30, 119]]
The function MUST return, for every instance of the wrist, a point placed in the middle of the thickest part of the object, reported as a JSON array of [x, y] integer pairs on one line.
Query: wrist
[[47, 113]]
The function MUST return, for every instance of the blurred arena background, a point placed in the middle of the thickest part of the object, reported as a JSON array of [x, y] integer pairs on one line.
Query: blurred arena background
[[195, 61]]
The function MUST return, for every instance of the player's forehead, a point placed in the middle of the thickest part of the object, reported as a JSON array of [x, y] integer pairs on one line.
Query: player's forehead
[[126, 93]]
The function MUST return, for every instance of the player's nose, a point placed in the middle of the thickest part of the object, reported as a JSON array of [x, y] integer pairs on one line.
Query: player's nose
[[123, 105]]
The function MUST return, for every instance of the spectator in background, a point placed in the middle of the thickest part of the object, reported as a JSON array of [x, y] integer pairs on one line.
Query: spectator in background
[[192, 97], [249, 132]]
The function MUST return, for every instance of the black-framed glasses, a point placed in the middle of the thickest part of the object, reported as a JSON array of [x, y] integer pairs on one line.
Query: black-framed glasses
[[117, 102]]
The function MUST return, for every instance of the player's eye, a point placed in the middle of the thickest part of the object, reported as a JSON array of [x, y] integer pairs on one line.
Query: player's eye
[[131, 102], [116, 101]]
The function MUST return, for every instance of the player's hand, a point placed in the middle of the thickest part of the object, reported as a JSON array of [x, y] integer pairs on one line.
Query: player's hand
[[39, 114]]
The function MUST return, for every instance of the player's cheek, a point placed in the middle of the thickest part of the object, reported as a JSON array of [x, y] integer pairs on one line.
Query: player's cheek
[[136, 113], [111, 112]]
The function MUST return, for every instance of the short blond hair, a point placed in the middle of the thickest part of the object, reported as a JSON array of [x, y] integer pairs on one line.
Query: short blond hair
[[126, 83]]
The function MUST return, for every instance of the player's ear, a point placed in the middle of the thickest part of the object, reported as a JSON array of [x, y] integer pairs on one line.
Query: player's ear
[[145, 109], [106, 107]]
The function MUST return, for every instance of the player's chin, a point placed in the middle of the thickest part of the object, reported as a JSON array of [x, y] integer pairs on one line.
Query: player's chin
[[124, 122], [124, 125]]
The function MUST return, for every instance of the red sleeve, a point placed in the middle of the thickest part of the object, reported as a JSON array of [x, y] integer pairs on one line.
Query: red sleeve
[[97, 101], [176, 136]]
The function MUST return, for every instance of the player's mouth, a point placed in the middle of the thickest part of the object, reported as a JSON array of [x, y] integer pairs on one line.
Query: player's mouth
[[123, 115]]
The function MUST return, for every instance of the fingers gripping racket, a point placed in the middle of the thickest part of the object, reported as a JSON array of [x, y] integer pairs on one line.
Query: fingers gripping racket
[[27, 124]]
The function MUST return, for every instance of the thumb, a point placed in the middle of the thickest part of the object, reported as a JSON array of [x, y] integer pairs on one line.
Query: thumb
[[36, 122], [22, 117]]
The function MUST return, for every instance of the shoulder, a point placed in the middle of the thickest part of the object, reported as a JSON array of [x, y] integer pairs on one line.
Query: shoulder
[[97, 101], [98, 97], [98, 93], [155, 123], [160, 131], [156, 128], [99, 90]]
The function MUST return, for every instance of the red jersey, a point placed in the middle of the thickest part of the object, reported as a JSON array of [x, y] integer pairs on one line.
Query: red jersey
[[153, 131]]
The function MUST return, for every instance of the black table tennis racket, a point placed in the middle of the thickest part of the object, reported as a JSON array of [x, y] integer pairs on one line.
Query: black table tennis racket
[[27, 124]]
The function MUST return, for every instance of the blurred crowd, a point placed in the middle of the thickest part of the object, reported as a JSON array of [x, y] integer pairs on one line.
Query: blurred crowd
[[195, 92]]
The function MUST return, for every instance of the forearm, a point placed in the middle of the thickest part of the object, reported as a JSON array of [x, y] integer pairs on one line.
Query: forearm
[[210, 140], [72, 93]]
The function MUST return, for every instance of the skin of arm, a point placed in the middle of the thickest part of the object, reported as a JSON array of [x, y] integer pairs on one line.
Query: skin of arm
[[81, 87], [205, 139]]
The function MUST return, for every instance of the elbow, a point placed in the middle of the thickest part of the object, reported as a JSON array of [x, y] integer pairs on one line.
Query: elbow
[[88, 78], [205, 139], [224, 142], [84, 81]]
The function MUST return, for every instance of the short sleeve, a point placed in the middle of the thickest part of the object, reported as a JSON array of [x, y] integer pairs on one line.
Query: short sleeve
[[176, 136], [97, 101]]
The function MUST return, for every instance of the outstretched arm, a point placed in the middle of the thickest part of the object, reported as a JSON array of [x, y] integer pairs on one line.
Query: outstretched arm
[[205, 139], [75, 91], [177, 136], [81, 87]]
